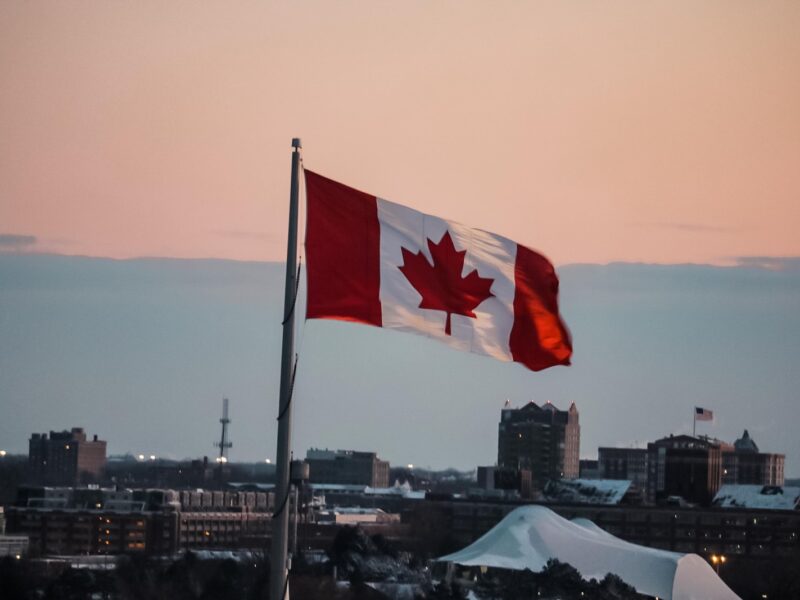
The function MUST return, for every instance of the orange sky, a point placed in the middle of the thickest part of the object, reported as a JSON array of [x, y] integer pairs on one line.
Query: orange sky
[[659, 131]]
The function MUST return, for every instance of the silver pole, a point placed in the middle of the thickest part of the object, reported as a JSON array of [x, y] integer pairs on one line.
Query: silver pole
[[295, 498], [279, 566]]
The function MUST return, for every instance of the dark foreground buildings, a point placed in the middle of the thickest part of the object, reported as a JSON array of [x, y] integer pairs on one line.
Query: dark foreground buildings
[[72, 521]]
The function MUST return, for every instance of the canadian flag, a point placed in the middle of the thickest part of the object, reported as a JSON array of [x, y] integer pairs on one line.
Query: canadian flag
[[380, 263]]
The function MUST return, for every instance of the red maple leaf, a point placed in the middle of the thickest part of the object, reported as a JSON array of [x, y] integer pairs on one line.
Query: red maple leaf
[[441, 285]]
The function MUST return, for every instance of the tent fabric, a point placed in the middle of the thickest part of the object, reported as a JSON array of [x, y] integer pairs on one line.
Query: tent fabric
[[529, 536]]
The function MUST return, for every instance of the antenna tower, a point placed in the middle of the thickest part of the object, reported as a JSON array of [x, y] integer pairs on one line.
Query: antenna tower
[[223, 444]]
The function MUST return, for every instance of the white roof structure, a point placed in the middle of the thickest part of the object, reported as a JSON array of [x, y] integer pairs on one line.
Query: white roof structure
[[586, 491], [767, 497], [529, 536], [398, 489]]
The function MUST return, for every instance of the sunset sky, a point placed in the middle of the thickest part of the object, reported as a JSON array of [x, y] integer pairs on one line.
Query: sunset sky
[[617, 131]]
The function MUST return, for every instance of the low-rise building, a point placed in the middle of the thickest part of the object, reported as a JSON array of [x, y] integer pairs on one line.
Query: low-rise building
[[355, 516], [348, 467], [736, 532], [504, 479], [151, 521], [623, 463]]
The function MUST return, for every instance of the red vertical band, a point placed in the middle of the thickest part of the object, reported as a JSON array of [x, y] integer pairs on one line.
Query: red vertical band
[[539, 338], [342, 252]]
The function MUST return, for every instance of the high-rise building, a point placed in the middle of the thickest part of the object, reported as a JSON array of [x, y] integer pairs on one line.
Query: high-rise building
[[684, 466], [347, 467], [744, 464], [65, 458], [541, 439]]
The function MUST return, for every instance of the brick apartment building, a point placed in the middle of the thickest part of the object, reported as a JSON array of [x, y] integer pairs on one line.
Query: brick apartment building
[[65, 458], [155, 522], [744, 464]]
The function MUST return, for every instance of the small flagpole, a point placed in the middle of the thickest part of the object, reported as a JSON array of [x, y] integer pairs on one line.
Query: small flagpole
[[694, 422], [279, 565]]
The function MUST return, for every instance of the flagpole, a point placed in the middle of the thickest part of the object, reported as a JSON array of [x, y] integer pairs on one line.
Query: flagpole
[[694, 422], [279, 566]]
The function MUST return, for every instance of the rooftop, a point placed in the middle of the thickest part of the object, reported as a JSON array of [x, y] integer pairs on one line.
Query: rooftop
[[765, 497]]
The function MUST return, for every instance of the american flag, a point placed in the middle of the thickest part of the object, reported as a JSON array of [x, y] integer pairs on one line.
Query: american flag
[[703, 414]]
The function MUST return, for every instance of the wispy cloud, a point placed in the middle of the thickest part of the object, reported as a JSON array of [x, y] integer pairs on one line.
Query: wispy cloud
[[771, 263], [689, 227], [16, 242]]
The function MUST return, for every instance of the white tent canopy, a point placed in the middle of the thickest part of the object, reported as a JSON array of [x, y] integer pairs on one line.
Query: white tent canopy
[[531, 535]]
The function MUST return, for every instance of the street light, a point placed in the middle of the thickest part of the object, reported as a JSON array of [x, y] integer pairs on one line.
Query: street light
[[718, 561], [2, 453]]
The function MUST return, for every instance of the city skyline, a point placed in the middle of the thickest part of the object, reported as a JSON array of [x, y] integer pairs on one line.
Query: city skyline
[[516, 271]]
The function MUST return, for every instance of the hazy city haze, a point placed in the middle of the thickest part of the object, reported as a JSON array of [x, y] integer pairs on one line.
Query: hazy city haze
[[142, 351]]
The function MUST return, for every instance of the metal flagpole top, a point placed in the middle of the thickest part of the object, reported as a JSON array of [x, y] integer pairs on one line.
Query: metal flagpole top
[[279, 563]]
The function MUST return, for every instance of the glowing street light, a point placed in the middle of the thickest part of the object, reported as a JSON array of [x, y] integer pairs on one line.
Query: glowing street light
[[141, 457], [410, 466], [152, 457], [268, 461], [2, 453], [718, 561]]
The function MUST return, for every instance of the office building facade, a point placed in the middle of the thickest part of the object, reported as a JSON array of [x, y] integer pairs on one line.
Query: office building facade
[[347, 467], [684, 467], [541, 439], [744, 464], [623, 463]]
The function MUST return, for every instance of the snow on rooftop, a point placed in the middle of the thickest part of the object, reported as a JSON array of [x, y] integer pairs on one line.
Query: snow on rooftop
[[531, 535], [337, 487], [397, 489], [586, 491], [354, 510], [768, 497]]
